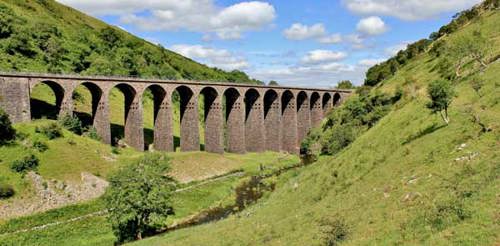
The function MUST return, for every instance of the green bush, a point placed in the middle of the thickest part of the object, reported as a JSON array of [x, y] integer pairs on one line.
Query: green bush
[[40, 146], [51, 131], [337, 138], [6, 191], [27, 163], [71, 123], [333, 230], [91, 132], [7, 133]]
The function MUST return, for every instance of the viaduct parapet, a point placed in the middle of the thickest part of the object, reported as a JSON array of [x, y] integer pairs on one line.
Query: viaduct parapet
[[238, 117]]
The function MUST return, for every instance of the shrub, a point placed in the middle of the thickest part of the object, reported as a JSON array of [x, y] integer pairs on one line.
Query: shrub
[[27, 163], [333, 230], [71, 123], [51, 131], [40, 146], [91, 132], [337, 138], [6, 191], [7, 133]]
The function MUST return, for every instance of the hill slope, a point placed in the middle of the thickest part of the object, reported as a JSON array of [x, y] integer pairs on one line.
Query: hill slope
[[45, 36], [409, 179]]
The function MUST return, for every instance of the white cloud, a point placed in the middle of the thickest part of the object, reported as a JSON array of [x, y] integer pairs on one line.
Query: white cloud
[[407, 9], [331, 39], [191, 15], [299, 31], [321, 56], [393, 50], [370, 62], [220, 58], [317, 75], [372, 25]]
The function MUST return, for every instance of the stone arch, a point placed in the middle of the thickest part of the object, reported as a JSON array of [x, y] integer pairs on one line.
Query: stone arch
[[41, 108], [213, 120], [288, 122], [272, 120], [326, 102], [235, 117], [189, 125], [161, 137], [133, 127], [336, 99], [96, 94], [316, 109], [254, 121], [303, 116]]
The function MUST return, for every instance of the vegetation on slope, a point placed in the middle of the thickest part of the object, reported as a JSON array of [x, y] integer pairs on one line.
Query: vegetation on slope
[[45, 36], [409, 179]]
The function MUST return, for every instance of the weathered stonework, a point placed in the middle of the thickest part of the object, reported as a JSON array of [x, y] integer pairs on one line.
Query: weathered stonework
[[256, 117]]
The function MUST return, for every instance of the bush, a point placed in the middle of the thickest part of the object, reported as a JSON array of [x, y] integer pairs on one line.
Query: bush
[[27, 163], [51, 131], [333, 230], [6, 191], [7, 133], [91, 132], [71, 123], [337, 138], [40, 146]]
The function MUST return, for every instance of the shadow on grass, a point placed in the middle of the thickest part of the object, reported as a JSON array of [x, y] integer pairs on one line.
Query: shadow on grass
[[428, 130], [43, 110]]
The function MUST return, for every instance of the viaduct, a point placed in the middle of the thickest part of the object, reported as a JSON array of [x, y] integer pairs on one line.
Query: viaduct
[[257, 117]]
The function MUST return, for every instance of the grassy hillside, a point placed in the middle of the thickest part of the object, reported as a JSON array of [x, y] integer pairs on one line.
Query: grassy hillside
[[45, 36], [409, 179]]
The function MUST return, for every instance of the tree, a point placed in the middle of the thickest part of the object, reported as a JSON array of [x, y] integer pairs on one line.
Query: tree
[[345, 84], [467, 48], [441, 93], [138, 197], [272, 82], [7, 133]]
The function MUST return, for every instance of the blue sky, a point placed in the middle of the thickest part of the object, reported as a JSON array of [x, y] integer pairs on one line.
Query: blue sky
[[301, 43]]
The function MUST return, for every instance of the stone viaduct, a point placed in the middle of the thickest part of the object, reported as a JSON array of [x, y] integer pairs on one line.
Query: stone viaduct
[[257, 117]]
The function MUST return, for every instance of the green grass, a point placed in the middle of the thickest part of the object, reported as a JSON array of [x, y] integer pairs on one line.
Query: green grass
[[398, 183]]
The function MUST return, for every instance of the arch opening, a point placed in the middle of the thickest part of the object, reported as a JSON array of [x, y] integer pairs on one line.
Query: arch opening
[[254, 122], [303, 116], [336, 99], [272, 120], [234, 134], [121, 97], [45, 100], [186, 104], [326, 102], [153, 101], [211, 123], [86, 97], [316, 109], [289, 122]]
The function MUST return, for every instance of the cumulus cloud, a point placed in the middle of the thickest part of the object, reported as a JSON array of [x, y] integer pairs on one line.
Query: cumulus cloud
[[300, 31], [321, 56], [371, 26], [408, 9], [370, 62], [393, 50], [220, 58], [331, 39], [316, 75], [192, 15]]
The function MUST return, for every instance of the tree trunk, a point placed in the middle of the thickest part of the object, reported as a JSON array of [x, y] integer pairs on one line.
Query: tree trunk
[[445, 116]]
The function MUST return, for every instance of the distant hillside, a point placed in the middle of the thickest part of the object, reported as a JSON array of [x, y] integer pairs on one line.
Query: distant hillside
[[398, 174], [45, 36]]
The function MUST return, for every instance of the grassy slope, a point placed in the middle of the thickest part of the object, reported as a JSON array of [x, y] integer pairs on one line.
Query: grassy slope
[[388, 191]]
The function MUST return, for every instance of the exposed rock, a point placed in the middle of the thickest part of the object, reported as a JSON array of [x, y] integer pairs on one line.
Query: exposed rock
[[53, 194]]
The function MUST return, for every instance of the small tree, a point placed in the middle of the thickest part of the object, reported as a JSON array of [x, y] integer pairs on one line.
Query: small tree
[[467, 48], [7, 133], [272, 82], [441, 93], [345, 84], [139, 196]]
